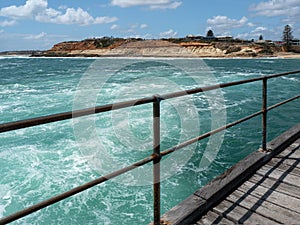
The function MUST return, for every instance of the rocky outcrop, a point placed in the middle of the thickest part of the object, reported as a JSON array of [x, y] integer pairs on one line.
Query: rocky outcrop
[[155, 48]]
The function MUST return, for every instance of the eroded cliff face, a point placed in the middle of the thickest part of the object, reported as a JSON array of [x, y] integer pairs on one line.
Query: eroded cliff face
[[156, 48], [151, 48]]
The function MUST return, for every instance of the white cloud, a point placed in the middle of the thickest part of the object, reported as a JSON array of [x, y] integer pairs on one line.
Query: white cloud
[[114, 27], [105, 19], [72, 16], [153, 4], [35, 36], [39, 11], [222, 25], [251, 24], [143, 26], [287, 11], [29, 10], [17, 41], [277, 8], [172, 5], [259, 29], [273, 33], [133, 29], [168, 34], [7, 23], [225, 22]]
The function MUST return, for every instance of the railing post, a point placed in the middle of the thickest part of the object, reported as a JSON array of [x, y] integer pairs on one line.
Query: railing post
[[156, 161], [264, 114]]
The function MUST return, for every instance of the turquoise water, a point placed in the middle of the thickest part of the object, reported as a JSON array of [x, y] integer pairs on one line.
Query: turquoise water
[[43, 161]]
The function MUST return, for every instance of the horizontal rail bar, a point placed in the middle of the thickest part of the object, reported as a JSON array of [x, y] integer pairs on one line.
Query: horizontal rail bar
[[109, 107], [72, 114], [283, 102], [74, 191], [208, 134], [223, 85]]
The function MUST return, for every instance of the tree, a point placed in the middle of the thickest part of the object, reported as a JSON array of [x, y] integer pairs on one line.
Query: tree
[[210, 34], [287, 36], [260, 38]]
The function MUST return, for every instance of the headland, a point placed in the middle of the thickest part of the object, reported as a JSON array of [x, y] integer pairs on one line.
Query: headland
[[179, 47]]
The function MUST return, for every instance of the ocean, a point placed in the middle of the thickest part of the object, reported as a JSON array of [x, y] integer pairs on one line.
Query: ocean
[[40, 162]]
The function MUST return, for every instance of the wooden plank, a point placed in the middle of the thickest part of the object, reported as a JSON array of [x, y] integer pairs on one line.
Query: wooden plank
[[279, 175], [218, 189], [290, 165], [290, 154], [272, 196], [240, 215], [293, 151], [264, 208], [284, 140], [213, 218], [284, 169], [273, 183], [225, 183], [221, 186], [286, 161]]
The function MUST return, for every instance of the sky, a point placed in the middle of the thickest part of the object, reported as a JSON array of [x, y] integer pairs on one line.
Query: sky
[[39, 24]]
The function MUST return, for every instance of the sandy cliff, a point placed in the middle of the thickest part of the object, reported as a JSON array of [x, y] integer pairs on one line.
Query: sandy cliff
[[157, 48]]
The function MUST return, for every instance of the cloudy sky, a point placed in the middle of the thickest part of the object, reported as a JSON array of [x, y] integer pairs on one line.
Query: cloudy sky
[[38, 24]]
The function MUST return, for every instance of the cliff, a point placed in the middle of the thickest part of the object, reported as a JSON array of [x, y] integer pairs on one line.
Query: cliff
[[108, 47]]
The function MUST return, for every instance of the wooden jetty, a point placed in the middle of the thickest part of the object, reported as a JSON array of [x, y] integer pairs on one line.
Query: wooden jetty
[[263, 188]]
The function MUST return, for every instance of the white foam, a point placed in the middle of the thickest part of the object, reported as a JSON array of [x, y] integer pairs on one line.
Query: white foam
[[5, 198]]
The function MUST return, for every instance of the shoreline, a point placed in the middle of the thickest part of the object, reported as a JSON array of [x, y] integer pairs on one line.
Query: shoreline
[[99, 48], [287, 55], [149, 57], [278, 55]]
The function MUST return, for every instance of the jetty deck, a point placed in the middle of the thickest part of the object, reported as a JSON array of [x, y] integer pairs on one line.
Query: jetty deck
[[263, 188]]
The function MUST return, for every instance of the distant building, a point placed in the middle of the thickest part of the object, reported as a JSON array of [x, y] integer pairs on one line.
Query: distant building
[[190, 36], [264, 42], [279, 43], [295, 42], [224, 38], [209, 38]]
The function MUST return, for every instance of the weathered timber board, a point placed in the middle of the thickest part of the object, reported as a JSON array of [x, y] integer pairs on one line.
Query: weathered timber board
[[264, 208], [219, 188], [285, 140], [240, 214], [276, 184], [279, 175], [293, 166], [223, 184], [272, 196], [213, 218], [293, 151]]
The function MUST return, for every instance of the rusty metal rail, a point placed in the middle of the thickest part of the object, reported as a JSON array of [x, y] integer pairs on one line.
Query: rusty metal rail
[[157, 153]]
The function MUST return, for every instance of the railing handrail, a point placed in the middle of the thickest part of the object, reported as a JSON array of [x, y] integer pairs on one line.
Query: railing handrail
[[125, 104], [157, 154]]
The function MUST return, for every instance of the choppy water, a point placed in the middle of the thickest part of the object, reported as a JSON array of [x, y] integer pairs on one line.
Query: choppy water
[[43, 161]]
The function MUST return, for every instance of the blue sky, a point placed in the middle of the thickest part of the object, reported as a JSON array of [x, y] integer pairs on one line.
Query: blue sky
[[38, 24]]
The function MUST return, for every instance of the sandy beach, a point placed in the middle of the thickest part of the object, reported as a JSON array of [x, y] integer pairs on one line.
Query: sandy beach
[[287, 55]]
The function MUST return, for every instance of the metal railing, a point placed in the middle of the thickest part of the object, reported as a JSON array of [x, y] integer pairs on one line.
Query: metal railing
[[155, 158]]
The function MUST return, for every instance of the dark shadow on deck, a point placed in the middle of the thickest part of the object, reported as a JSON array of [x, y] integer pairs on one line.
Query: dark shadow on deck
[[263, 188]]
